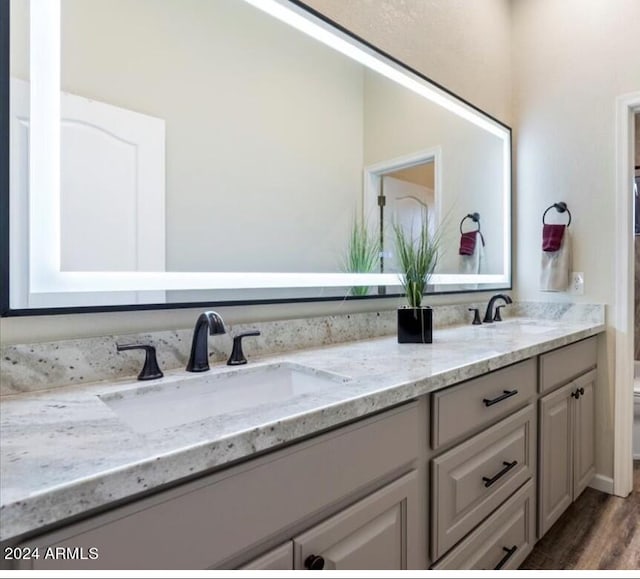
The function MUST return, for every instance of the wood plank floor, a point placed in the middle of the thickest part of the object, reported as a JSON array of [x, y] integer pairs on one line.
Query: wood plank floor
[[598, 531]]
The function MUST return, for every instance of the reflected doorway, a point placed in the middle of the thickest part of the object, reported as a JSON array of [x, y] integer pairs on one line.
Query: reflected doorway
[[399, 191]]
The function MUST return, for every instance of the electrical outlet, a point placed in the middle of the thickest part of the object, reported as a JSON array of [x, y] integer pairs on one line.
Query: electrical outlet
[[577, 283]]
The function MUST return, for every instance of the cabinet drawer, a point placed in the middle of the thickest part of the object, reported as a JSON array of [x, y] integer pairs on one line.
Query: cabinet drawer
[[466, 408], [564, 364], [473, 479], [203, 523], [503, 541]]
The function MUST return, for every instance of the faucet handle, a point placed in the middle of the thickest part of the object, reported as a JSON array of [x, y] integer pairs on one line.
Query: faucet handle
[[497, 317], [476, 316], [150, 369], [237, 355]]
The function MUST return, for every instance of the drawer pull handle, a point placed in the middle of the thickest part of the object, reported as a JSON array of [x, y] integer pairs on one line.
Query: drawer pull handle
[[314, 563], [508, 556], [505, 394], [507, 467]]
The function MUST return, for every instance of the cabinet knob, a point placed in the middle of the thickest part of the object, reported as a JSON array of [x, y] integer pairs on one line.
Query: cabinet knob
[[576, 394], [581, 390], [314, 563]]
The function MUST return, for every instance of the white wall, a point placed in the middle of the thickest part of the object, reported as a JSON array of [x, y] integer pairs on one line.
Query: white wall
[[399, 123], [254, 157], [463, 45], [571, 59]]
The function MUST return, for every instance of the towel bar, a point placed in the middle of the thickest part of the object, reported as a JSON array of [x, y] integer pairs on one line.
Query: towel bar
[[475, 217], [560, 207]]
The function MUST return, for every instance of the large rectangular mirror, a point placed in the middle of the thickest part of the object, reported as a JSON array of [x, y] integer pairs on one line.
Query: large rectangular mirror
[[183, 151]]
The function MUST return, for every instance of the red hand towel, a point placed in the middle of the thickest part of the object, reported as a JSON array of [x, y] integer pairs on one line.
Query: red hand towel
[[468, 243], [552, 236]]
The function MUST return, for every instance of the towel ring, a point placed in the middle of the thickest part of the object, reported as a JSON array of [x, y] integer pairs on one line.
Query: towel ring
[[475, 217], [560, 207]]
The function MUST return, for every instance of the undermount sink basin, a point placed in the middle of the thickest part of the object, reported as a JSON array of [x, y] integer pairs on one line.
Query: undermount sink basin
[[183, 400]]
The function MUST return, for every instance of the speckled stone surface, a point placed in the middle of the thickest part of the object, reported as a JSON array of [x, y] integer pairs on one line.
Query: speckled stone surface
[[40, 366], [64, 451], [561, 312], [33, 367]]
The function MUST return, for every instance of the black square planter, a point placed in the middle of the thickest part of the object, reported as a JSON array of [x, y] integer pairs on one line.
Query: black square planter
[[415, 325]]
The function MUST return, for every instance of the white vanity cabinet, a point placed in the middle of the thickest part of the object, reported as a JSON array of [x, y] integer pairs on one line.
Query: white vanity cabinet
[[542, 454], [355, 496], [456, 479], [567, 433]]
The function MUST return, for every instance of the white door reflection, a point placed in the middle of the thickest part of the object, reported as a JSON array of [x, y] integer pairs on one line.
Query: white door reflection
[[408, 194], [112, 202]]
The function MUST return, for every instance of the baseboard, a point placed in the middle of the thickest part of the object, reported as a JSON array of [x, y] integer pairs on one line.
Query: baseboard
[[602, 483]]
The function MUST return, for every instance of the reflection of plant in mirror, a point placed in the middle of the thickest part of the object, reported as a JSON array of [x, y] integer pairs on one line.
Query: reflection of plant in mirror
[[362, 253], [417, 257]]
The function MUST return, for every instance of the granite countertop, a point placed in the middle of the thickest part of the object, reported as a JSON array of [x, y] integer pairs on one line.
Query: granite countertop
[[65, 452]]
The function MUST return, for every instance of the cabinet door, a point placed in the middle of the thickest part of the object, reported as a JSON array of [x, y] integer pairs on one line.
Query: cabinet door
[[584, 434], [278, 559], [378, 532], [556, 456]]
